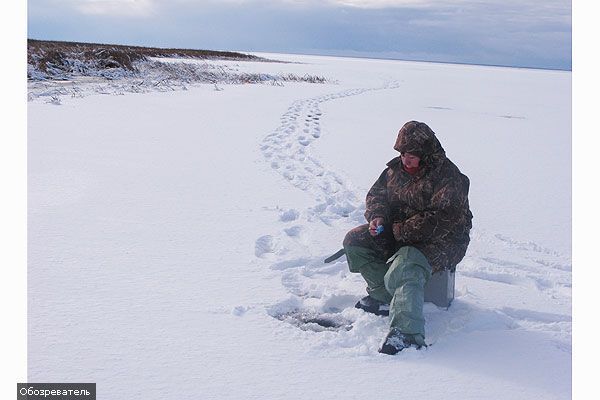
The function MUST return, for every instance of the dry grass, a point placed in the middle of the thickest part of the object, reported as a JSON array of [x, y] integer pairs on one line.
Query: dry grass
[[54, 58], [58, 69]]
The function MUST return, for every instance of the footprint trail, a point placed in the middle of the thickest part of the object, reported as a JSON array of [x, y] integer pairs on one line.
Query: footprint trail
[[287, 149]]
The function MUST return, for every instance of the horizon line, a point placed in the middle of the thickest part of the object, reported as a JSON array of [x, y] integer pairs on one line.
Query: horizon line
[[324, 54]]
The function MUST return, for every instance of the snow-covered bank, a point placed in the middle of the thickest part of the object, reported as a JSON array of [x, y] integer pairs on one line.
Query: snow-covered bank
[[176, 239]]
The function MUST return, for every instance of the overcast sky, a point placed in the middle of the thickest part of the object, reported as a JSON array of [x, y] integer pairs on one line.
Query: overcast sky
[[525, 33]]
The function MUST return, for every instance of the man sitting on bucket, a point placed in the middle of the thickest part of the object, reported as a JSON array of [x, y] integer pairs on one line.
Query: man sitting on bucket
[[419, 223]]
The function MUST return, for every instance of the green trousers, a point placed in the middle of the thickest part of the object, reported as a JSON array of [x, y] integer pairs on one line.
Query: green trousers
[[399, 281]]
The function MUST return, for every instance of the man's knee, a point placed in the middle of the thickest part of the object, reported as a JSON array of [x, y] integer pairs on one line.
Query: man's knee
[[358, 251], [356, 237], [409, 266]]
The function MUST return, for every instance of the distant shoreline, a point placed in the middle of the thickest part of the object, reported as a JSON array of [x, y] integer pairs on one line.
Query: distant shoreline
[[245, 55], [413, 60]]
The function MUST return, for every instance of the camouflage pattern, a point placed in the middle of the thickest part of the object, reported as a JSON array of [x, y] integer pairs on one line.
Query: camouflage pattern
[[428, 210]]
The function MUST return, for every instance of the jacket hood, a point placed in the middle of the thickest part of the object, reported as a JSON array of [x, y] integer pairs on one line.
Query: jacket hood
[[418, 138]]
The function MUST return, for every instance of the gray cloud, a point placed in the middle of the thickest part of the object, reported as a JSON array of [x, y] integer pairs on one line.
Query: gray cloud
[[519, 33]]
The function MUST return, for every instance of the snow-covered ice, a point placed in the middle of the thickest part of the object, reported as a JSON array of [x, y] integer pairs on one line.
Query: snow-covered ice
[[176, 239]]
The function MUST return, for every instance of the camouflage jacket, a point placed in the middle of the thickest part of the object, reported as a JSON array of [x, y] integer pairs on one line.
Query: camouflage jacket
[[428, 210]]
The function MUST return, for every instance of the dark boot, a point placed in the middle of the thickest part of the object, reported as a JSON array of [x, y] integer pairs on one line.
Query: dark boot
[[396, 341], [373, 306]]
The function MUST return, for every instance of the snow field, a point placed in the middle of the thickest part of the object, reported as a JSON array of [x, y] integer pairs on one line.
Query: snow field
[[177, 239]]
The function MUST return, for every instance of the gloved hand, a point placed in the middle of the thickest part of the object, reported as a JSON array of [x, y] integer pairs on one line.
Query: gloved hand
[[375, 222], [396, 228]]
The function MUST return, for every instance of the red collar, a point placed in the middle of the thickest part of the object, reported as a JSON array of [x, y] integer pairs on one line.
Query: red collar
[[411, 171]]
